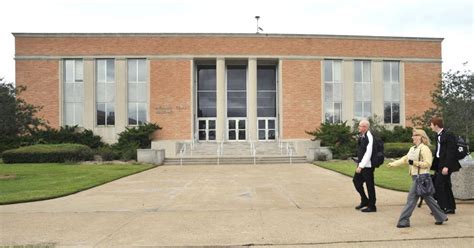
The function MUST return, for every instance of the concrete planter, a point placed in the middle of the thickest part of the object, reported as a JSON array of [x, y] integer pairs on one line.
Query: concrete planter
[[151, 156], [462, 180]]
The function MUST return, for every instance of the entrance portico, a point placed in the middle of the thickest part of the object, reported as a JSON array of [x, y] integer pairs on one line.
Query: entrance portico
[[236, 100]]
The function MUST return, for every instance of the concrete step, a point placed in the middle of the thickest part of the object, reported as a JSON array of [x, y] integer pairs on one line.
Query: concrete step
[[235, 160]]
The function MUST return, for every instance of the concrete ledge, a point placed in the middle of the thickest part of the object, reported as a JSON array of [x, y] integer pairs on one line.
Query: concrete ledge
[[318, 154], [151, 156], [462, 180]]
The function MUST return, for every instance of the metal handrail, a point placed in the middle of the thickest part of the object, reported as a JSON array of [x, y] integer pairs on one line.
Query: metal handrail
[[181, 153], [220, 148]]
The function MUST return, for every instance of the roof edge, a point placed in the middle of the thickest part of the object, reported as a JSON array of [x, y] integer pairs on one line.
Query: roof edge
[[247, 35]]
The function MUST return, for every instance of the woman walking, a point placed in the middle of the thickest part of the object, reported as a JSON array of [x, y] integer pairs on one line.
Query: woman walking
[[419, 159]]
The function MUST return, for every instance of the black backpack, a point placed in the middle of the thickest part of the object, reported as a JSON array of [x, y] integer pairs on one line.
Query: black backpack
[[462, 149], [377, 152]]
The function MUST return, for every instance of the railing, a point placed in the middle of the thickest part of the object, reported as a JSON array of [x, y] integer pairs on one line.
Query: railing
[[220, 149], [193, 142], [289, 151], [253, 149], [182, 152]]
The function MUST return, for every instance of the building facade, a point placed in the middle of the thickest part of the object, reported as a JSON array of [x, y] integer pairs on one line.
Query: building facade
[[231, 87]]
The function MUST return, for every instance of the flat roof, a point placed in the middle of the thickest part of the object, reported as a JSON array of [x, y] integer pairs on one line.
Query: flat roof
[[246, 35]]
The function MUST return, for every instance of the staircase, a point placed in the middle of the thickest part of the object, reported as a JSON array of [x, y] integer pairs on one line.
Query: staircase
[[236, 153]]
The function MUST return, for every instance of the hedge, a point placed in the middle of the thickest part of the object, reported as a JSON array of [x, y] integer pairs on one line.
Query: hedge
[[397, 150], [53, 153]]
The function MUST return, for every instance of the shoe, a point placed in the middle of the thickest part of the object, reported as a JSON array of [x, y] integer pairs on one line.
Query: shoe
[[403, 226], [449, 211], [369, 209], [362, 205], [440, 222]]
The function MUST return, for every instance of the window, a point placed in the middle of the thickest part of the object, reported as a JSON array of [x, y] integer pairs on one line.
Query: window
[[266, 101], [73, 92], [391, 89], [105, 91], [137, 92], [206, 102], [237, 91], [332, 91], [362, 89]]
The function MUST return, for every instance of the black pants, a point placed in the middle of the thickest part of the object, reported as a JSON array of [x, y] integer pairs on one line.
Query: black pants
[[367, 176], [444, 192]]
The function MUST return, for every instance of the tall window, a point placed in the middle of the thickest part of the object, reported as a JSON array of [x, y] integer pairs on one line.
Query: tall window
[[391, 89], [237, 91], [137, 92], [266, 101], [332, 91], [105, 71], [73, 92], [206, 94], [362, 89]]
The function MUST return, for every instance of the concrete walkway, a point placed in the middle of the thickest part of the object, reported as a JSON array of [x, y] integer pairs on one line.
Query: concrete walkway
[[232, 205]]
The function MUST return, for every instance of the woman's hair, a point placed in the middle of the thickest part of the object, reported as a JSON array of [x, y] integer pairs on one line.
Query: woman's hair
[[424, 137]]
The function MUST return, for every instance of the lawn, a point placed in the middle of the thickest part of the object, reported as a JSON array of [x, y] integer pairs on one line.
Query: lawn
[[32, 182], [395, 178]]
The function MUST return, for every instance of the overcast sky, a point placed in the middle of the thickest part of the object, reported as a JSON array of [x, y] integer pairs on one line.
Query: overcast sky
[[448, 19]]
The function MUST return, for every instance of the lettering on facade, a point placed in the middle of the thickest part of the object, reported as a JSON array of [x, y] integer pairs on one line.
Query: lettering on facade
[[165, 109]]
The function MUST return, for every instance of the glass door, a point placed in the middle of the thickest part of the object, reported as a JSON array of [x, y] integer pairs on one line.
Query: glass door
[[237, 129], [236, 102], [207, 129], [266, 128]]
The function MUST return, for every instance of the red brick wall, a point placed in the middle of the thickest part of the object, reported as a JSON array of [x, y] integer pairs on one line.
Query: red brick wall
[[41, 77], [301, 97], [170, 103], [220, 45], [420, 80]]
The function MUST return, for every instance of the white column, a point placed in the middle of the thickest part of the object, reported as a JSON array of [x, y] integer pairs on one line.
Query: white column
[[252, 99], [220, 99], [348, 91], [121, 103], [377, 88], [89, 94]]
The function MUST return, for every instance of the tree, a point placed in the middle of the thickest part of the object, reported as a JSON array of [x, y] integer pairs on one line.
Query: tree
[[17, 117], [453, 101]]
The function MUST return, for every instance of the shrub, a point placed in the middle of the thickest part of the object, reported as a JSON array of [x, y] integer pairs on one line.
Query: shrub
[[134, 138], [397, 150], [338, 137], [107, 153], [67, 134], [48, 153]]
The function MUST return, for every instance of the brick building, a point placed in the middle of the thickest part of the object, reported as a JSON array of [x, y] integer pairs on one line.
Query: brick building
[[236, 87]]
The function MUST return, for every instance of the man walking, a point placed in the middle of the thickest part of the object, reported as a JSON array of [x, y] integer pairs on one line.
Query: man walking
[[444, 164], [365, 171]]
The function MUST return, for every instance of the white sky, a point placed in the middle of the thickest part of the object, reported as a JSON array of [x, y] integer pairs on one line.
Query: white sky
[[448, 19]]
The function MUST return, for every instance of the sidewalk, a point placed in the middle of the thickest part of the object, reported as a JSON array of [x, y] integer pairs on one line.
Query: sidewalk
[[229, 205]]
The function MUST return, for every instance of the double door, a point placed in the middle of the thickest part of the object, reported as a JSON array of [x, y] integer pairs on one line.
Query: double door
[[236, 129]]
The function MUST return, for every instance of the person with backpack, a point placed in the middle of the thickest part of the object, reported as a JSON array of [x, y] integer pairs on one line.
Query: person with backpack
[[419, 159], [365, 171], [445, 162]]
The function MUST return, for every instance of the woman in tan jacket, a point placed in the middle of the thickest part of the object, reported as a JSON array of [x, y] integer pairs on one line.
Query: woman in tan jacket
[[419, 159]]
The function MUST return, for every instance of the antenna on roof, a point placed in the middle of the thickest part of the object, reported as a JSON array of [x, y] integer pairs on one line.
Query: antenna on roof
[[258, 28]]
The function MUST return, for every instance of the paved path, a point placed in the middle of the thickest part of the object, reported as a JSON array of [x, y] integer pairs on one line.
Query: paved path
[[264, 205]]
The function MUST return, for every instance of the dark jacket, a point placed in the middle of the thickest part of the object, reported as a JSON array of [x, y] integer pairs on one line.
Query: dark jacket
[[447, 153]]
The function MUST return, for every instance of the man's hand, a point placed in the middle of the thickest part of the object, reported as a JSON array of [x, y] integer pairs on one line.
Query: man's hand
[[444, 171], [358, 170]]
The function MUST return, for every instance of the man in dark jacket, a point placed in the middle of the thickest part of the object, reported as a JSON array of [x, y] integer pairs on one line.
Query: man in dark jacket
[[365, 171], [444, 164]]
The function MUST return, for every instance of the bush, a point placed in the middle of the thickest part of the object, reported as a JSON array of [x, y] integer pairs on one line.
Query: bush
[[338, 137], [397, 150], [67, 134], [107, 153], [134, 138], [48, 153]]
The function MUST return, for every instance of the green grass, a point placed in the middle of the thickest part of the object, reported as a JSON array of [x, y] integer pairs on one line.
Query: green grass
[[395, 178], [32, 182]]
